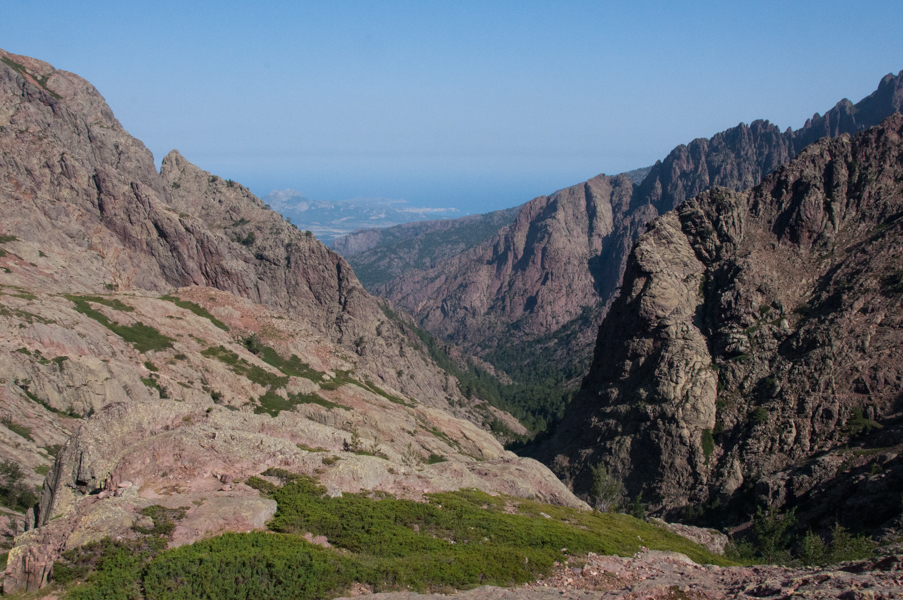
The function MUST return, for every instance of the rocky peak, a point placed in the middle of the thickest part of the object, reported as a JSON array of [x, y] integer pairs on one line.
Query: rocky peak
[[752, 346], [543, 283]]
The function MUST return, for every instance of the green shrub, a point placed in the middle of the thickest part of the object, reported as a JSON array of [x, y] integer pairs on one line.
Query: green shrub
[[143, 337], [606, 491], [14, 492], [708, 444], [248, 240], [242, 367], [253, 344], [21, 430], [196, 309], [293, 366], [152, 383], [742, 551], [759, 416], [813, 550], [164, 519], [255, 565], [112, 568], [859, 423], [272, 403], [53, 450], [846, 546], [772, 540], [455, 540], [636, 509]]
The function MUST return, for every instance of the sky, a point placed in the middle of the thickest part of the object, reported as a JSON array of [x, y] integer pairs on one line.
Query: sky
[[474, 105]]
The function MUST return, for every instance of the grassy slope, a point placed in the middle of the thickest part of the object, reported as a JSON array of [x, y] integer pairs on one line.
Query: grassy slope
[[454, 540]]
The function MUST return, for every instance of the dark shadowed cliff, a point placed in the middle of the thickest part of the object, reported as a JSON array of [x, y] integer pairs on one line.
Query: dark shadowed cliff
[[753, 353]]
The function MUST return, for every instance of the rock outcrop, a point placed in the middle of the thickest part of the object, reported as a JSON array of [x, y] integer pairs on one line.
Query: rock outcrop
[[166, 335], [544, 282], [752, 355]]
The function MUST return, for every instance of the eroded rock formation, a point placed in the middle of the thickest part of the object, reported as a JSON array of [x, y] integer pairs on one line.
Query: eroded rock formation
[[752, 355], [165, 336]]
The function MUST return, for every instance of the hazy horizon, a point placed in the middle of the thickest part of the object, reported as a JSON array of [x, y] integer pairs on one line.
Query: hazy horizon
[[475, 106]]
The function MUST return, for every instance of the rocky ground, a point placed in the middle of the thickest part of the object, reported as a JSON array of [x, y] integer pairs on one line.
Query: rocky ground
[[653, 575]]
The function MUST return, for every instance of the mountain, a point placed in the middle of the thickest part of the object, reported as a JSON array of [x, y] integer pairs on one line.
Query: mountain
[[166, 337], [533, 293], [752, 355], [394, 251], [329, 220]]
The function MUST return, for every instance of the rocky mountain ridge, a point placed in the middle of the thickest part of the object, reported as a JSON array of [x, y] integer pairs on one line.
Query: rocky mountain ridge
[[165, 336], [751, 357], [544, 282]]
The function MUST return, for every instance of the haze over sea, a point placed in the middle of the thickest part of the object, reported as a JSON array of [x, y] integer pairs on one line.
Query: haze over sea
[[472, 105]]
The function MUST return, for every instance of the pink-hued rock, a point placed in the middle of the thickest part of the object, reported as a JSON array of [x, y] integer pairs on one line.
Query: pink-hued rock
[[184, 420]]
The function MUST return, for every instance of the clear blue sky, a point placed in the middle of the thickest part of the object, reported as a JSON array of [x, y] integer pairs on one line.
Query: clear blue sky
[[479, 105]]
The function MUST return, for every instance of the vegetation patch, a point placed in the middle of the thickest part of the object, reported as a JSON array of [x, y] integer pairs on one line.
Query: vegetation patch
[[153, 383], [41, 81], [294, 367], [772, 541], [272, 403], [24, 315], [341, 378], [394, 399], [164, 519], [14, 492], [759, 416], [24, 386], [53, 450], [143, 337], [113, 303], [20, 430], [196, 309], [242, 367], [708, 444], [456, 540], [307, 448], [858, 423], [537, 397]]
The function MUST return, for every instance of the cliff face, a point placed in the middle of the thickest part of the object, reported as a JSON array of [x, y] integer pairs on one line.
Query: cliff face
[[752, 353], [73, 177], [165, 336], [548, 278]]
